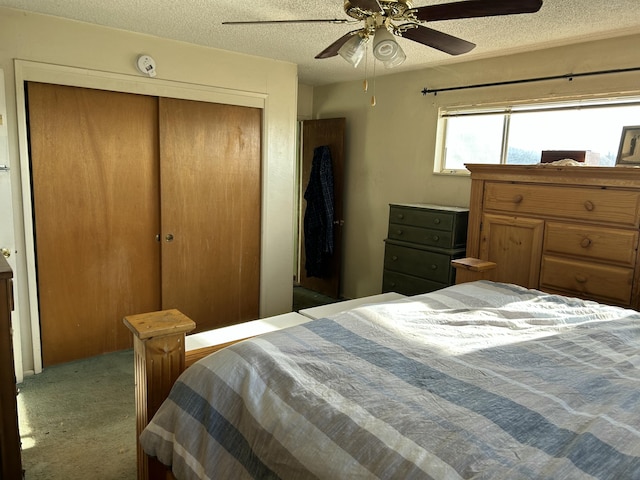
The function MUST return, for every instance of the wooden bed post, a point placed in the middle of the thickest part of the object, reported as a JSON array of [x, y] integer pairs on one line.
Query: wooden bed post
[[159, 350]]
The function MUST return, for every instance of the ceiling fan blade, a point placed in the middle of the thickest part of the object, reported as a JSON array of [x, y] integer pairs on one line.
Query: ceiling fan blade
[[314, 20], [475, 8], [332, 50], [372, 6], [435, 39]]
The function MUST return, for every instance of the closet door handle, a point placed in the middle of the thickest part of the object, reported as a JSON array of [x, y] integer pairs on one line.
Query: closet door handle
[[169, 237]]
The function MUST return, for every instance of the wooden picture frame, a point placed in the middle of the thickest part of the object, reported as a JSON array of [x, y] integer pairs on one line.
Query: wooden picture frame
[[629, 150]]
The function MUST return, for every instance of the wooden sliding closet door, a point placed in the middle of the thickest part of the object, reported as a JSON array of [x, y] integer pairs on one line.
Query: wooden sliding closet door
[[210, 157], [95, 181]]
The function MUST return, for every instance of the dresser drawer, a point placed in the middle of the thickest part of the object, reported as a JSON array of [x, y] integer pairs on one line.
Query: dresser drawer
[[422, 236], [420, 263], [605, 282], [421, 217], [596, 243], [408, 284], [589, 204]]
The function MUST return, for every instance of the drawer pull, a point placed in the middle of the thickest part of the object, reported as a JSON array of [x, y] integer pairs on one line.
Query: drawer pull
[[585, 242], [436, 221], [518, 199], [589, 206], [394, 258], [399, 232], [581, 278], [434, 267], [436, 238], [401, 216]]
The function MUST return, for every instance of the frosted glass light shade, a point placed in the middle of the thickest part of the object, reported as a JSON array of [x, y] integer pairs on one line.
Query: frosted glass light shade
[[353, 50], [386, 49]]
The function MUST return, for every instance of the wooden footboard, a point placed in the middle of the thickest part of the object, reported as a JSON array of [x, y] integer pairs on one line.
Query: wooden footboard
[[162, 352]]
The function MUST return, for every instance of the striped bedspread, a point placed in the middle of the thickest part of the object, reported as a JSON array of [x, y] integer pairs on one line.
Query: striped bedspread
[[476, 381]]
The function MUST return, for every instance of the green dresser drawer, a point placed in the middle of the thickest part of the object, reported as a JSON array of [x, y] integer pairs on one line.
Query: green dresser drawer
[[408, 284], [421, 236], [452, 220], [420, 217], [420, 263]]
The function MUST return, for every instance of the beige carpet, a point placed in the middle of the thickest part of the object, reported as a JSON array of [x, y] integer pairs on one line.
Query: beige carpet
[[77, 420]]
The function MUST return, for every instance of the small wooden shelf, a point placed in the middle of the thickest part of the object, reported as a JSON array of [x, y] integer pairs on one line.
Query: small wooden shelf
[[470, 269]]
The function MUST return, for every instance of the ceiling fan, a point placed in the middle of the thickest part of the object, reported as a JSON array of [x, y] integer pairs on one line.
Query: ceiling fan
[[384, 19]]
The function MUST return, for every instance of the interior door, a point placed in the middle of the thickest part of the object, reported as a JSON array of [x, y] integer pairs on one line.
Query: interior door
[[94, 166], [316, 133], [210, 156]]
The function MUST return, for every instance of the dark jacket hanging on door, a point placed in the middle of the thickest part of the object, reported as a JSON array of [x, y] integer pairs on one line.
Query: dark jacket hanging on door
[[318, 216]]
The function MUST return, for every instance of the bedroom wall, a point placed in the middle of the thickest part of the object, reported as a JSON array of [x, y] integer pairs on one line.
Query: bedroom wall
[[390, 147], [305, 102], [104, 57]]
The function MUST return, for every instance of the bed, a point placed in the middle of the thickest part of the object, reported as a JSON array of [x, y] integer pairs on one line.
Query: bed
[[480, 380]]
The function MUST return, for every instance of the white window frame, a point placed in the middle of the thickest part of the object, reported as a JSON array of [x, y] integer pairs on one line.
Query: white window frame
[[508, 110]]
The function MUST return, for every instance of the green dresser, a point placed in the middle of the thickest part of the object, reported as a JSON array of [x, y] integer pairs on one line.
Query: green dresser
[[421, 242]]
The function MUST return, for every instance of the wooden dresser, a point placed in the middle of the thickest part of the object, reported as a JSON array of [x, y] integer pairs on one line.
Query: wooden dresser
[[570, 230], [10, 462], [421, 242]]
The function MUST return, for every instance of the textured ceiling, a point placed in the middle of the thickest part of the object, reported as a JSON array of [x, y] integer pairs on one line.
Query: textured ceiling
[[199, 22]]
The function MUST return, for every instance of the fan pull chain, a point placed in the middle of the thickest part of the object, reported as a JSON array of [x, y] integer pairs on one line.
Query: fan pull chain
[[373, 97], [365, 83]]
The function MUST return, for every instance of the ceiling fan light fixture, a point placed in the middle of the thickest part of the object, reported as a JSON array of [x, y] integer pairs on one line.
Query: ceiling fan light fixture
[[397, 60], [386, 49], [353, 50]]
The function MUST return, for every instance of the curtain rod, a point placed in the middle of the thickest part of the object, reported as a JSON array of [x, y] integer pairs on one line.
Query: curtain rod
[[425, 91]]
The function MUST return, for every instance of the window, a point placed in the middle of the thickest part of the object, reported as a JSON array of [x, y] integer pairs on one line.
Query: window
[[519, 134]]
